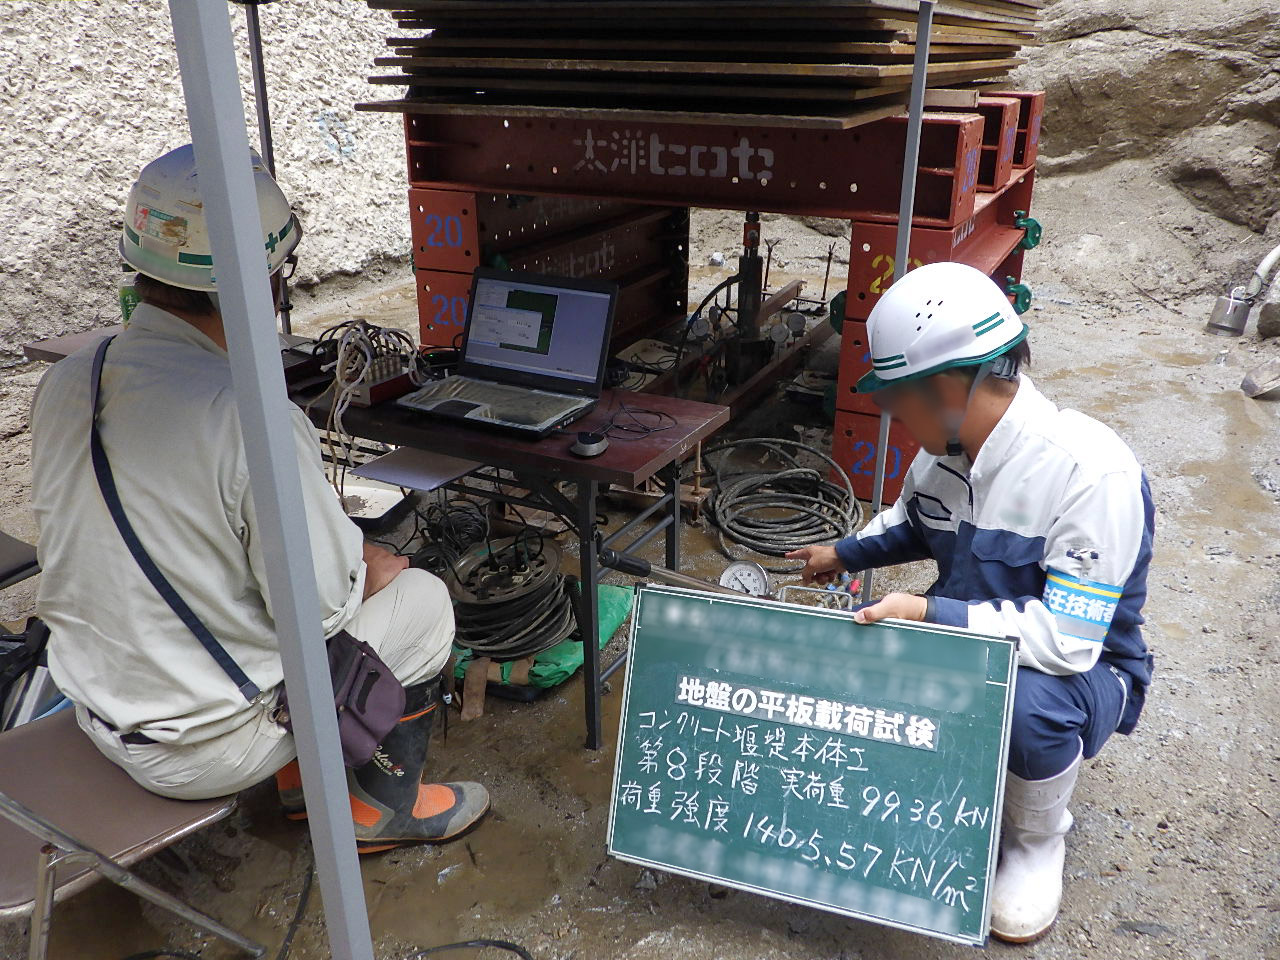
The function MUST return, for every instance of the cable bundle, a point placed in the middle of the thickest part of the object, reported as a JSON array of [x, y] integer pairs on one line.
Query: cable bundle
[[775, 511], [512, 601], [452, 525], [363, 351]]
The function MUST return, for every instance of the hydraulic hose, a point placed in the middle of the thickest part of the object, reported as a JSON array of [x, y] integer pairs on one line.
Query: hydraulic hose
[[776, 511]]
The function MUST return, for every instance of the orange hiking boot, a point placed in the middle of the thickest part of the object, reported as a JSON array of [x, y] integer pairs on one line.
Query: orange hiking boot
[[289, 786], [390, 804]]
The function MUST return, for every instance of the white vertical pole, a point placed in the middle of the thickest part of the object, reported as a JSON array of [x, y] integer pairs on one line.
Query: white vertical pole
[[906, 210], [215, 110]]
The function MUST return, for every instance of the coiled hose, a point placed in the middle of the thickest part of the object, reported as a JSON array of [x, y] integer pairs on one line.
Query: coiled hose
[[522, 627], [510, 601], [775, 511]]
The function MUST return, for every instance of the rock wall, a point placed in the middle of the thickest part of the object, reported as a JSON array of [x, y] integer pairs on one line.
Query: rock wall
[[1192, 87], [90, 91]]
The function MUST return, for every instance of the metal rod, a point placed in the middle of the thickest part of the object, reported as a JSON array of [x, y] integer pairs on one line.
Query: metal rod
[[263, 109], [638, 519], [663, 524], [42, 905], [826, 277], [589, 613], [260, 103], [215, 110], [55, 838], [906, 210], [673, 529], [614, 667]]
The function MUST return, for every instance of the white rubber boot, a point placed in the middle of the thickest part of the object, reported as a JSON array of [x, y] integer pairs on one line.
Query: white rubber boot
[[1028, 887]]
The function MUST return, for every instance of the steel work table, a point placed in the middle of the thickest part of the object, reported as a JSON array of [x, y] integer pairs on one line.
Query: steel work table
[[539, 465]]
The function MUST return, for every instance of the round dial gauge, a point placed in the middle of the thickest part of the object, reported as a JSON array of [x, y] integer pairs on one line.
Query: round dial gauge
[[778, 333], [796, 322], [747, 576], [700, 328]]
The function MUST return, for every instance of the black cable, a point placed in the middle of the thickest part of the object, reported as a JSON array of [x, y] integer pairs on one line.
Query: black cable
[[684, 334], [507, 945], [637, 429], [775, 511], [303, 896]]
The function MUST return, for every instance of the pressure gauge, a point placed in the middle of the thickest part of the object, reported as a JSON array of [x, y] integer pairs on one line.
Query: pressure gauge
[[778, 333], [700, 328], [796, 322], [748, 577]]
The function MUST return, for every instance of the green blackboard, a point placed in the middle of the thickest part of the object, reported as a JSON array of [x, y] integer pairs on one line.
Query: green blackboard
[[789, 751]]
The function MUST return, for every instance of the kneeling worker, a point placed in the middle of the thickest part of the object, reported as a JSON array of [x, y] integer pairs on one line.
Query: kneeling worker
[[1041, 524], [147, 694]]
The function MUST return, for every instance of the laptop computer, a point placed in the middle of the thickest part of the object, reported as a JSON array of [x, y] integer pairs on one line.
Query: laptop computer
[[533, 353]]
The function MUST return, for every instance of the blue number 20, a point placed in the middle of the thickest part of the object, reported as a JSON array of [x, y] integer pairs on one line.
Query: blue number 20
[[452, 231], [864, 465], [449, 310]]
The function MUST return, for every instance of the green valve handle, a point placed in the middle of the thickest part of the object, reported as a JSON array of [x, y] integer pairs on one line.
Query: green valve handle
[[835, 315], [1020, 292], [1034, 231]]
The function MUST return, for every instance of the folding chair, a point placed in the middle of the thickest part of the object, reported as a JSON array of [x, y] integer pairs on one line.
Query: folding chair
[[17, 561], [33, 693], [74, 816]]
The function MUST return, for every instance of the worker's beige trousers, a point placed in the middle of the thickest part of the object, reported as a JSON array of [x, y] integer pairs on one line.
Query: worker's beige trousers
[[409, 623]]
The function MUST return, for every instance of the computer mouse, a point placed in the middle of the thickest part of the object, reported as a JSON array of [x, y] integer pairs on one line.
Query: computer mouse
[[589, 444]]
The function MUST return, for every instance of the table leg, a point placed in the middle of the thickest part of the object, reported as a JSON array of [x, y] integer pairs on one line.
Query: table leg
[[673, 531], [589, 612]]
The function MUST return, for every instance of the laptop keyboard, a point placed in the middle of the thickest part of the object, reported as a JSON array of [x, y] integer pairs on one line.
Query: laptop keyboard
[[518, 405]]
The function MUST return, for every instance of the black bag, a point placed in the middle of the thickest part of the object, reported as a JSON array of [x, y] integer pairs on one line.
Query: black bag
[[19, 654], [368, 697], [370, 700]]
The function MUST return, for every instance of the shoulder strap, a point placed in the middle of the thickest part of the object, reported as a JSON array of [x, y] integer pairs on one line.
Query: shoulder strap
[[107, 484]]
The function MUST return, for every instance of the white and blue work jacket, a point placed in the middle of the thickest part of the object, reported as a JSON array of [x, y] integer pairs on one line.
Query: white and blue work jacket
[[1046, 536]]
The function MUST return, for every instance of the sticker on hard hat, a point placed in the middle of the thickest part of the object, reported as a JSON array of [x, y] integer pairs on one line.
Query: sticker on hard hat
[[163, 226]]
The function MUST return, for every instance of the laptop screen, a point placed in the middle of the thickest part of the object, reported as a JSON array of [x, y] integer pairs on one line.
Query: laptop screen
[[539, 329]]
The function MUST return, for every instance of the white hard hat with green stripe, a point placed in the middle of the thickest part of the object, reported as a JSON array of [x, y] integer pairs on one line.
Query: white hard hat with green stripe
[[938, 317], [165, 234]]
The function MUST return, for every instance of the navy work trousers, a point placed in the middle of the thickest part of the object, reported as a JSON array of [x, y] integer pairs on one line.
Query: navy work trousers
[[1054, 716]]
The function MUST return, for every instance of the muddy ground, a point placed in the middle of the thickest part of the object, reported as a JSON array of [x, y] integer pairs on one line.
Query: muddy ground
[[1173, 853]]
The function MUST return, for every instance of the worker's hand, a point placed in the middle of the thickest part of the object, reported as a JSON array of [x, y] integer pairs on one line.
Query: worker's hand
[[381, 567], [901, 606], [820, 563]]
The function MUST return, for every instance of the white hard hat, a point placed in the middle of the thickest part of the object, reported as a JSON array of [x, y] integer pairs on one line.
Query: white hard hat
[[165, 235], [937, 317]]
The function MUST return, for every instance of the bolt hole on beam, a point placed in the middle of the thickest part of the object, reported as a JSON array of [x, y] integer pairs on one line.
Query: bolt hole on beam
[[866, 248], [853, 188]]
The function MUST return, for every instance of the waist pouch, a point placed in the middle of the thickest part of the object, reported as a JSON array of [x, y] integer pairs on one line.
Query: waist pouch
[[368, 697]]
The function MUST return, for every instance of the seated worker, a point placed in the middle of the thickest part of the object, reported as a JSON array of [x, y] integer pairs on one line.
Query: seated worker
[[1041, 524], [145, 691]]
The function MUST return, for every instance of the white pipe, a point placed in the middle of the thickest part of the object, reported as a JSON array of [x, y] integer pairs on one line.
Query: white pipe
[[1258, 282], [215, 111]]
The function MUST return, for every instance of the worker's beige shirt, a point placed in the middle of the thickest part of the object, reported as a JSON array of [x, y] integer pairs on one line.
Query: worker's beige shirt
[[172, 434]]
